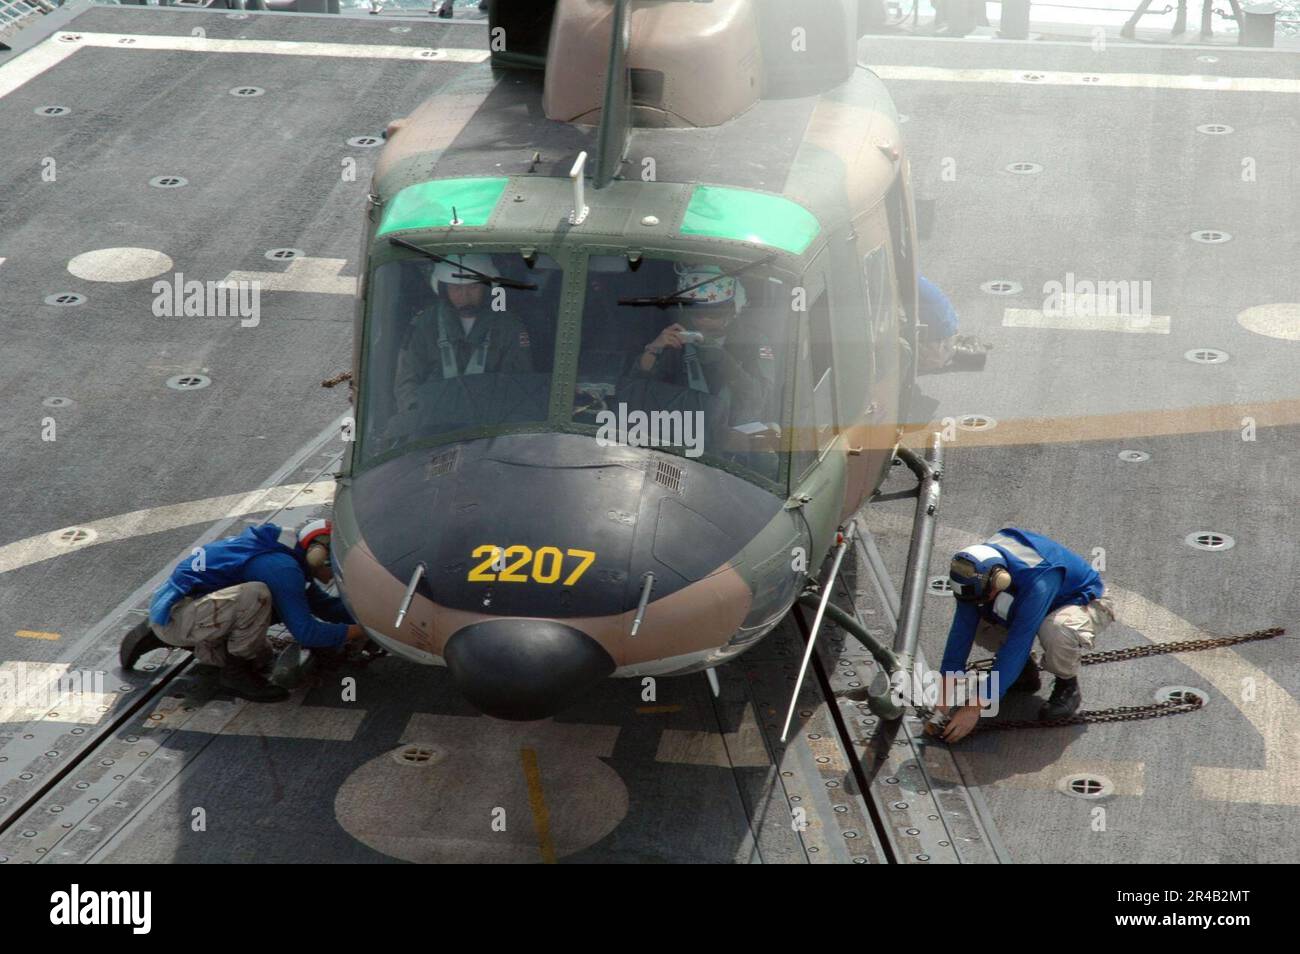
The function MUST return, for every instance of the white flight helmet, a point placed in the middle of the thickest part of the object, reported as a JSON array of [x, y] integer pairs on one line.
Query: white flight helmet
[[450, 272]]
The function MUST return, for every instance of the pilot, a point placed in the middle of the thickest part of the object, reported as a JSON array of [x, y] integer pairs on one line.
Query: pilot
[[220, 602], [458, 334], [1010, 588], [709, 352], [941, 348]]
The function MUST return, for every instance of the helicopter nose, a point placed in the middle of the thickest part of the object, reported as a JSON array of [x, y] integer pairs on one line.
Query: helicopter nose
[[524, 669]]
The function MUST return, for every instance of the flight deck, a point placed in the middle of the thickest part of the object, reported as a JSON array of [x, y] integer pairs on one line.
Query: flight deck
[[142, 143]]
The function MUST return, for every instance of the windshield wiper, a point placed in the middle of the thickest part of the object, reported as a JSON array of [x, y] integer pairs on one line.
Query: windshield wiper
[[482, 277], [675, 298]]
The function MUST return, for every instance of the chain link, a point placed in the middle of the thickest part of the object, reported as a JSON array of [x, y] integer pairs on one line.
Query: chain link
[[1154, 710]]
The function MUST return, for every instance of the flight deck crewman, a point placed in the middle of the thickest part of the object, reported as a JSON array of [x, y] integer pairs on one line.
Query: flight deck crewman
[[220, 602], [941, 348], [1010, 588], [702, 355], [457, 335]]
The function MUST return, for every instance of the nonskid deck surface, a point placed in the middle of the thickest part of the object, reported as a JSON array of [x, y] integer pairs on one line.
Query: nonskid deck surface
[[142, 472]]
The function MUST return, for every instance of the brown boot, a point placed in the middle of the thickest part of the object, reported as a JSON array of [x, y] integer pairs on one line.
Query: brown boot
[[241, 676]]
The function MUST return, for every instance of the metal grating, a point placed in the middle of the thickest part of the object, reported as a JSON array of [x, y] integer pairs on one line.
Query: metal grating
[[669, 475], [443, 462]]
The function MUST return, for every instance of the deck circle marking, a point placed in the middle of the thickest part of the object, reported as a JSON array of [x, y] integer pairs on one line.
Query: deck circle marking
[[169, 182], [1001, 286], [246, 92], [939, 586], [126, 264], [976, 422], [1211, 540], [1086, 786], [1206, 356], [365, 142], [1276, 320], [188, 382], [73, 536], [1214, 129], [65, 299], [1182, 694], [284, 254], [51, 110], [1211, 236], [1024, 168], [1134, 456]]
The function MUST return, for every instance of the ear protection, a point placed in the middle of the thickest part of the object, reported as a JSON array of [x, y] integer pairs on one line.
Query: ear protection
[[318, 553], [976, 571]]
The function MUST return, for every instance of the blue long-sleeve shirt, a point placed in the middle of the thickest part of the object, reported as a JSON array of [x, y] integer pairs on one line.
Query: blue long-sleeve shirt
[[256, 555], [1044, 577], [1027, 614], [316, 619]]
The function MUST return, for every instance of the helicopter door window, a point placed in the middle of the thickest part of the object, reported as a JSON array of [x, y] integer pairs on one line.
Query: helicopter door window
[[815, 418], [448, 353], [880, 291]]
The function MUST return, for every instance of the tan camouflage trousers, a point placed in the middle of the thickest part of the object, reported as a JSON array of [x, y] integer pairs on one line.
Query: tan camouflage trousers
[[1065, 635], [231, 621]]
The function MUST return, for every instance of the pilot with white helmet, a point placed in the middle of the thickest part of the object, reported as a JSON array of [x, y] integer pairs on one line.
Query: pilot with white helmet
[[459, 334], [1010, 588], [709, 351]]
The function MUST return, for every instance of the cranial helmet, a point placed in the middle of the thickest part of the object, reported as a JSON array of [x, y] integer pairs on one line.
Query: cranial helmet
[[450, 272], [315, 533], [977, 570], [718, 289]]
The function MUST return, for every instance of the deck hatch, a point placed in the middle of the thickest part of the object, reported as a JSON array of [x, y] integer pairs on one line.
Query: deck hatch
[[748, 216], [428, 205]]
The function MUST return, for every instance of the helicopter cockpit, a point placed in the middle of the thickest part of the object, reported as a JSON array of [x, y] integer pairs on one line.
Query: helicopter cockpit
[[686, 356], [690, 352], [449, 350]]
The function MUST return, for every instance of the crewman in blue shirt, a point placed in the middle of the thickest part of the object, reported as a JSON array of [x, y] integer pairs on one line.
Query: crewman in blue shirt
[[220, 602], [1010, 588], [940, 347]]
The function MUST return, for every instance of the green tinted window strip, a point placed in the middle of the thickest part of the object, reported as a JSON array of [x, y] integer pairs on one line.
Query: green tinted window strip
[[747, 216], [428, 205]]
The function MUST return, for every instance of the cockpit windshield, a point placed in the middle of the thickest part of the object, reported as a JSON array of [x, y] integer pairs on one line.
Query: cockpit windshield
[[703, 376], [446, 351]]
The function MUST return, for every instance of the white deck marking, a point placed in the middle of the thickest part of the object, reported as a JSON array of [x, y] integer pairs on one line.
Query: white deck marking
[[47, 692], [27, 66], [125, 264], [1233, 84], [742, 748], [281, 720], [133, 42], [1278, 320], [1132, 324], [304, 274], [40, 547], [32, 63]]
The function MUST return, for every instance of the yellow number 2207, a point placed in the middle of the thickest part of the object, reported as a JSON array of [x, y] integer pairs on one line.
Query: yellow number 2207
[[507, 564]]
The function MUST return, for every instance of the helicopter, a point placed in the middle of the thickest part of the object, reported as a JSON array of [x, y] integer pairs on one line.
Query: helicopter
[[728, 198]]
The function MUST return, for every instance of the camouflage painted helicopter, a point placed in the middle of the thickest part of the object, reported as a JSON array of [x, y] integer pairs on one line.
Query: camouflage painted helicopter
[[692, 215]]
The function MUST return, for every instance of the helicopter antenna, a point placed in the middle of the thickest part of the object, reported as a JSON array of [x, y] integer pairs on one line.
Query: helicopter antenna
[[612, 139]]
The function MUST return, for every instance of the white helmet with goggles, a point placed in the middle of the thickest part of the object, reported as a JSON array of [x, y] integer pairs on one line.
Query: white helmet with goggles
[[451, 271]]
